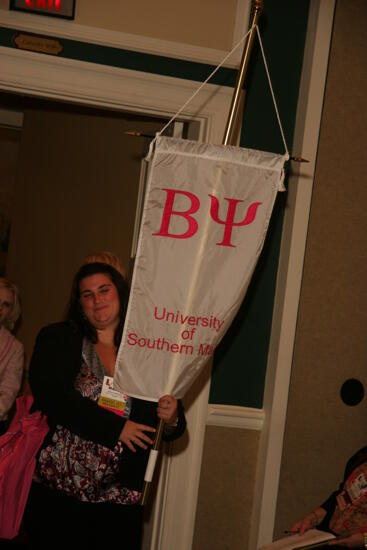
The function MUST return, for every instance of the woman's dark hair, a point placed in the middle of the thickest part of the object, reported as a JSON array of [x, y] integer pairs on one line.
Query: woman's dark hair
[[75, 313]]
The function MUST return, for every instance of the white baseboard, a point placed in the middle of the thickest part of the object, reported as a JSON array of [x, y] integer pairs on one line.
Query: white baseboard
[[229, 416]]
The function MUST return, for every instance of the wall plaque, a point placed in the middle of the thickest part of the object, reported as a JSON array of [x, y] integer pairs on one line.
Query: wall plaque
[[40, 44]]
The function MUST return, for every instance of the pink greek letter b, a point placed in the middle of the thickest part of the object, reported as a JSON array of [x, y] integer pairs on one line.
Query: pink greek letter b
[[186, 214]]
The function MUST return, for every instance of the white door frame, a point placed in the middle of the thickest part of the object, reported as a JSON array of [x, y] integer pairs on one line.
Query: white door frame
[[125, 90], [289, 278]]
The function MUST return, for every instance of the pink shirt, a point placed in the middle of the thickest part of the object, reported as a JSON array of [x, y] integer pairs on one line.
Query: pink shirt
[[11, 370]]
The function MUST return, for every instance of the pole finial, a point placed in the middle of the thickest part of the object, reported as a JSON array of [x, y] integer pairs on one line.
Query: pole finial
[[259, 4]]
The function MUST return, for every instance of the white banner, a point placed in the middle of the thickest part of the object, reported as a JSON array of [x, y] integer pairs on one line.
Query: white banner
[[206, 213]]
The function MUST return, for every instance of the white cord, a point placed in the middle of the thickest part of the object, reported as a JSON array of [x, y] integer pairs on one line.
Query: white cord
[[213, 73], [272, 91], [204, 83]]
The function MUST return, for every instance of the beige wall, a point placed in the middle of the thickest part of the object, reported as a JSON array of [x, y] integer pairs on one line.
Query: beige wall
[[204, 23], [331, 340], [226, 489]]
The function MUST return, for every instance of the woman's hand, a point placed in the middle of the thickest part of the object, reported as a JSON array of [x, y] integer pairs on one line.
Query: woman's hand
[[352, 541], [308, 522], [133, 434], [167, 409]]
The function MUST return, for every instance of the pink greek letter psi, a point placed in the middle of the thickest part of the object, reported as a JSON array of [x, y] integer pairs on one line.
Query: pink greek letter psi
[[229, 222]]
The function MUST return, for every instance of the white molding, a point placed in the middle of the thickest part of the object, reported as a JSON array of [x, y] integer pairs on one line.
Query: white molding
[[114, 88], [289, 279], [184, 475], [93, 35], [229, 416], [91, 84]]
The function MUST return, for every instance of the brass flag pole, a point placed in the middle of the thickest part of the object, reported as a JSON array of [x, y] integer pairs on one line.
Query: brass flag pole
[[233, 112]]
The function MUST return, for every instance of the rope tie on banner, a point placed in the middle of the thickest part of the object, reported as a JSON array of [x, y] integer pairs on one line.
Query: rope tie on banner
[[211, 76]]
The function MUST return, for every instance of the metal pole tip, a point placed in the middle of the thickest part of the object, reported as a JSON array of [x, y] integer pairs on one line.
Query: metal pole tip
[[299, 159]]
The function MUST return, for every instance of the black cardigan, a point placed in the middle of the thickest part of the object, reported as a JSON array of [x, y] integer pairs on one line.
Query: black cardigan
[[55, 364]]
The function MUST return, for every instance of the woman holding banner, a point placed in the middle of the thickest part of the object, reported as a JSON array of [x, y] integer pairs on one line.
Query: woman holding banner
[[90, 470]]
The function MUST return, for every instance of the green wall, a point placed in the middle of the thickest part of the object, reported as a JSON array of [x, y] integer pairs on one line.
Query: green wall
[[240, 360]]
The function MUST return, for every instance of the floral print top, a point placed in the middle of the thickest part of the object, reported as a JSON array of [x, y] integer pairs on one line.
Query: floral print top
[[350, 514], [80, 468]]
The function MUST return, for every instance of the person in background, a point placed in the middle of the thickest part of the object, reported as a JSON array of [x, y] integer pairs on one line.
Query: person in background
[[107, 257], [11, 350], [89, 473], [344, 513]]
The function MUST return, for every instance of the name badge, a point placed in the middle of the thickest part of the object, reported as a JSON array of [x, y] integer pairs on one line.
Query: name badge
[[358, 487], [112, 399]]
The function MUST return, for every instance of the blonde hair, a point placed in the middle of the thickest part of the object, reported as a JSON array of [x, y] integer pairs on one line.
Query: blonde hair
[[15, 312], [106, 257]]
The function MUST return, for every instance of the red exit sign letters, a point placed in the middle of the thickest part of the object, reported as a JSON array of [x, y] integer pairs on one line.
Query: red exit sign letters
[[55, 8]]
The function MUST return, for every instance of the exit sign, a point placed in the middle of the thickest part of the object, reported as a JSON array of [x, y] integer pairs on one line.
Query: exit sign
[[55, 8]]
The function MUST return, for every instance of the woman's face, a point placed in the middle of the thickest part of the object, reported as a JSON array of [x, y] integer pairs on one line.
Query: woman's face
[[6, 304], [100, 301]]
